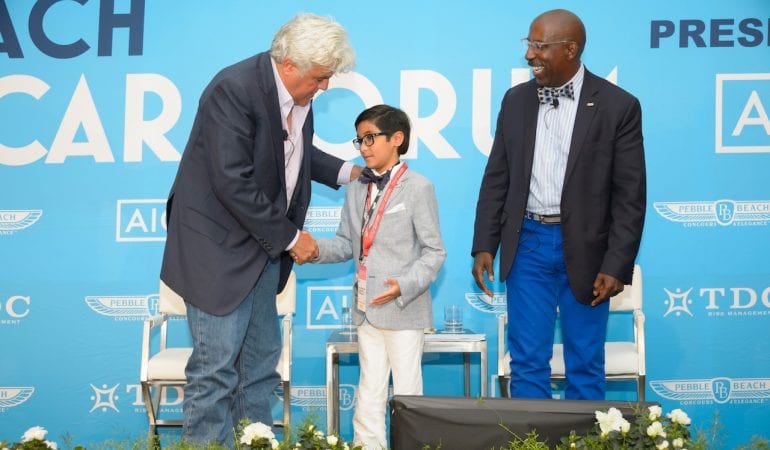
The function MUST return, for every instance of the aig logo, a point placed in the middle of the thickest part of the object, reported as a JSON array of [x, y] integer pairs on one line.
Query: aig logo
[[742, 123], [140, 220], [14, 309], [324, 306], [14, 396]]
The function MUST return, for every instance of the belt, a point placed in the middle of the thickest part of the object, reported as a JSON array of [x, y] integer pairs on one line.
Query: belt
[[545, 219]]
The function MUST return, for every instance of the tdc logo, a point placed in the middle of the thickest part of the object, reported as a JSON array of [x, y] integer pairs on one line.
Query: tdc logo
[[14, 309], [742, 122], [142, 220]]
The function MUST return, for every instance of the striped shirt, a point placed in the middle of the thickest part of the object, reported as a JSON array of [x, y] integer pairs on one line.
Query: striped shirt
[[552, 142]]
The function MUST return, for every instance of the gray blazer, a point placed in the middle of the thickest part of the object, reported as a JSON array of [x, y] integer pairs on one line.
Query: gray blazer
[[407, 248]]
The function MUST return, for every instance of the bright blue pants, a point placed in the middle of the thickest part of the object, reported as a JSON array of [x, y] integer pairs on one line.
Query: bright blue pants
[[537, 285]]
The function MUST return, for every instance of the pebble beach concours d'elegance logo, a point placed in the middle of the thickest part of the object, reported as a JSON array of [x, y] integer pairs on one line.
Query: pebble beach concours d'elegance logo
[[714, 390], [124, 307], [484, 303], [12, 221], [14, 396], [713, 213], [311, 398]]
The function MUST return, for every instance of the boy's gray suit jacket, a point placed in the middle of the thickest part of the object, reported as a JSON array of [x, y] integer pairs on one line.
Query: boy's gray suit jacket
[[407, 248]]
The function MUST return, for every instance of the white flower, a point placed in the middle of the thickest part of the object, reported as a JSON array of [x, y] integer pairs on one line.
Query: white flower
[[311, 427], [34, 433], [656, 429], [655, 412], [52, 445], [274, 444], [679, 416], [662, 445], [625, 426], [612, 420], [678, 443], [256, 431], [318, 434], [331, 439]]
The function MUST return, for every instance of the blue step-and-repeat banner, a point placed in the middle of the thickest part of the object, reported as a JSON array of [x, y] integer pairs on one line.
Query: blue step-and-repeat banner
[[97, 99]]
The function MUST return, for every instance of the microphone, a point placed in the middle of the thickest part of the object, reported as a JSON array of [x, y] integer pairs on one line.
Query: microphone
[[285, 135], [555, 102]]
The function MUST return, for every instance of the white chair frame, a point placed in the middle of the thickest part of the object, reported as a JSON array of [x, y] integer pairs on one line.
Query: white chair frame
[[624, 360], [163, 367]]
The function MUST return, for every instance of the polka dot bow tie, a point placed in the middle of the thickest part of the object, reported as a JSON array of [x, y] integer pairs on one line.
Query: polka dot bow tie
[[367, 176], [549, 95]]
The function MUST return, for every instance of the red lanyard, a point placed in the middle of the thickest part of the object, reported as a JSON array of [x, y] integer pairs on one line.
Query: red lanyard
[[370, 227]]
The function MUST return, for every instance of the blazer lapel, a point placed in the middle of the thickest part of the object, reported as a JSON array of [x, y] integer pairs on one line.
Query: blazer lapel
[[588, 104], [270, 94], [530, 128]]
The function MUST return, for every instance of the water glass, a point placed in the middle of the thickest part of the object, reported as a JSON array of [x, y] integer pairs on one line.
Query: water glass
[[453, 319]]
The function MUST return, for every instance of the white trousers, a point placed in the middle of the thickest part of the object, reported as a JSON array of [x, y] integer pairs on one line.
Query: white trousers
[[380, 352]]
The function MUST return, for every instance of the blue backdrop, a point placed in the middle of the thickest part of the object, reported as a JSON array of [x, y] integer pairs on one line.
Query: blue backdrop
[[97, 99]]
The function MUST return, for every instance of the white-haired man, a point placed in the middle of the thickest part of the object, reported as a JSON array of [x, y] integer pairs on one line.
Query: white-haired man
[[235, 215]]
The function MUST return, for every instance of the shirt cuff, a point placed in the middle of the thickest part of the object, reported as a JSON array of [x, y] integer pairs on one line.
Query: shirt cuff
[[293, 242], [343, 177]]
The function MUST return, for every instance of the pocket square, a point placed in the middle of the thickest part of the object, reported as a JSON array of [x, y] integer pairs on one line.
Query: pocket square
[[395, 209]]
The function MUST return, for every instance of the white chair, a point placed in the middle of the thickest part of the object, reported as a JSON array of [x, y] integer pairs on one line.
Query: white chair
[[624, 360], [163, 366]]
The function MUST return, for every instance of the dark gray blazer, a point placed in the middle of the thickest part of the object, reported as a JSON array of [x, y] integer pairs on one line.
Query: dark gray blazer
[[227, 210], [603, 200]]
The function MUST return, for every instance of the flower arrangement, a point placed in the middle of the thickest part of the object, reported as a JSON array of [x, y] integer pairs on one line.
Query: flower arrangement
[[650, 430], [258, 436], [33, 439]]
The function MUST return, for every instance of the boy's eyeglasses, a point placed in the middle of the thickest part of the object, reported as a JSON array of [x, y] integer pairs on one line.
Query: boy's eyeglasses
[[367, 139]]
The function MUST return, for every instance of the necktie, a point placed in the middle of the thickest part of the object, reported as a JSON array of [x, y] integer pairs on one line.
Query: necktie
[[367, 176], [547, 95]]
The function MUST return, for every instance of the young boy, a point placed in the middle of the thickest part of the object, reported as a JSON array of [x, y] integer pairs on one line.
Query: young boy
[[389, 224]]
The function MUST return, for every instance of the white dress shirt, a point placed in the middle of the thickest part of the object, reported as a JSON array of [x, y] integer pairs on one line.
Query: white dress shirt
[[552, 142]]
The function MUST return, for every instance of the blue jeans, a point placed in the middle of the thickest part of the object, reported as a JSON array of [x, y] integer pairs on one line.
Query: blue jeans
[[231, 374], [536, 286]]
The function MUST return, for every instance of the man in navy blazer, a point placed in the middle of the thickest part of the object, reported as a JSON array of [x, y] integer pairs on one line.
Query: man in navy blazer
[[563, 197], [236, 210]]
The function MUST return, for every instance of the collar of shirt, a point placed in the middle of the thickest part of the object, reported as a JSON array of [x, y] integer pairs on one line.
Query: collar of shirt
[[577, 85], [393, 170], [286, 103]]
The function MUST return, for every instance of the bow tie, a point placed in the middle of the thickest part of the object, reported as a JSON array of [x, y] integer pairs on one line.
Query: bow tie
[[367, 176], [549, 95]]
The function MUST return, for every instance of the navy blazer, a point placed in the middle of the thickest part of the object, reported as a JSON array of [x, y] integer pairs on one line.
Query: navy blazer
[[227, 210], [603, 200]]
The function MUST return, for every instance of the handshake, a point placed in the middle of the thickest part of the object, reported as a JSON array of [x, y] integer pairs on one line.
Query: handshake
[[306, 249]]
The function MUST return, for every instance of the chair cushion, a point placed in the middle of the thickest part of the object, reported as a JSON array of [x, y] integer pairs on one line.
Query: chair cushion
[[169, 364], [620, 359]]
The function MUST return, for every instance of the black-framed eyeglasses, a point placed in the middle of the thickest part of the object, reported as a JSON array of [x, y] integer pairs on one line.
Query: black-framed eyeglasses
[[538, 46], [367, 139]]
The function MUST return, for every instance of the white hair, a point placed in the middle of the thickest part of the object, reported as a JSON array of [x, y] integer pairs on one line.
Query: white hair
[[309, 40]]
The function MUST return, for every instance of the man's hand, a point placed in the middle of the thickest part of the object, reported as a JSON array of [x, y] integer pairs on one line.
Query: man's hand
[[391, 294], [606, 286], [355, 172], [306, 248], [483, 262]]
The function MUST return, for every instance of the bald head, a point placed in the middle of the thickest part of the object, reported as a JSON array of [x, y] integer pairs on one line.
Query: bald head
[[566, 24]]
